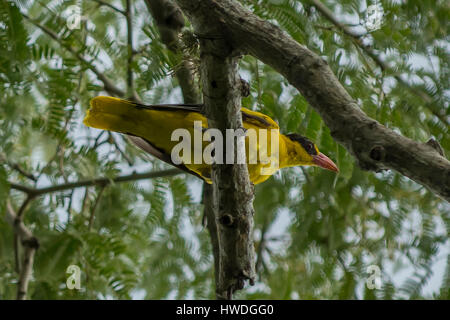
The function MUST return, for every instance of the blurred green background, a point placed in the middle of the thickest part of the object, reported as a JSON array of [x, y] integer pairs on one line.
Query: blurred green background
[[316, 233]]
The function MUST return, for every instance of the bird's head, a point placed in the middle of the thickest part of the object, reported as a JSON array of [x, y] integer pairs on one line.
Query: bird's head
[[305, 152]]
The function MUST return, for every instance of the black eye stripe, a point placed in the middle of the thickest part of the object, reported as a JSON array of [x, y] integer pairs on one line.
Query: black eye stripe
[[306, 144]]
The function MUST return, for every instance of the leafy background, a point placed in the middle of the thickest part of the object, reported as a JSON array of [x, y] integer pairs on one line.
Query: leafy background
[[315, 233]]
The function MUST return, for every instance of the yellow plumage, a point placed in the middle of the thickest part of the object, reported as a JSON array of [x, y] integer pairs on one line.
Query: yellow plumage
[[155, 124]]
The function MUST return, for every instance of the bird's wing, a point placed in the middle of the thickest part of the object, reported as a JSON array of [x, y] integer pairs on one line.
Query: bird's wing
[[171, 107], [106, 112], [157, 153], [258, 119]]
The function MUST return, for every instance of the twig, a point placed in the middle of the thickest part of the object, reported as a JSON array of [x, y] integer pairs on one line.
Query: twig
[[19, 217], [24, 205], [69, 209], [116, 145], [374, 146], [97, 139], [308, 180], [106, 4], [35, 192], [30, 243], [107, 83], [211, 224]]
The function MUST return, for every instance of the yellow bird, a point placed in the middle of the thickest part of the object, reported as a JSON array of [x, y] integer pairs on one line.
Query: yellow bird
[[150, 127]]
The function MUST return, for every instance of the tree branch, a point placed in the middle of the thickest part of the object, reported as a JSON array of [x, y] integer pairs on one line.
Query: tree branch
[[92, 182], [170, 21], [262, 245], [30, 243], [210, 219], [374, 146], [232, 190], [17, 167], [94, 208], [108, 85], [24, 206], [377, 59], [119, 149], [130, 83]]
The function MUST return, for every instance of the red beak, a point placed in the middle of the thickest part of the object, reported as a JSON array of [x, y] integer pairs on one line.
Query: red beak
[[323, 161]]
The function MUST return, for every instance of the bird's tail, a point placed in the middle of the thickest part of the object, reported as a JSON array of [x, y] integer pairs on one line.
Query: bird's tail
[[109, 113]]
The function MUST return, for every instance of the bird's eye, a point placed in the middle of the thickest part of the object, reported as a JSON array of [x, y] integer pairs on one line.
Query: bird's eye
[[309, 147]]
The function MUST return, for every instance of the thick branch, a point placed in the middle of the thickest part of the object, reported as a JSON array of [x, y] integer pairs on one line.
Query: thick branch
[[30, 243], [373, 145], [106, 4], [98, 181]]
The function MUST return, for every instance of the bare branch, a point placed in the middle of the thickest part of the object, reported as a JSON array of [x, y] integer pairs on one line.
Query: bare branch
[[262, 246], [29, 242], [92, 182], [122, 153], [16, 252], [130, 83], [17, 167], [374, 146], [170, 21], [24, 206], [94, 208], [106, 4], [211, 224], [27, 267], [232, 190]]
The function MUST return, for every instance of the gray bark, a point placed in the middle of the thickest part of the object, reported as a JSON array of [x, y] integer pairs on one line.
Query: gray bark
[[232, 190], [170, 21]]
